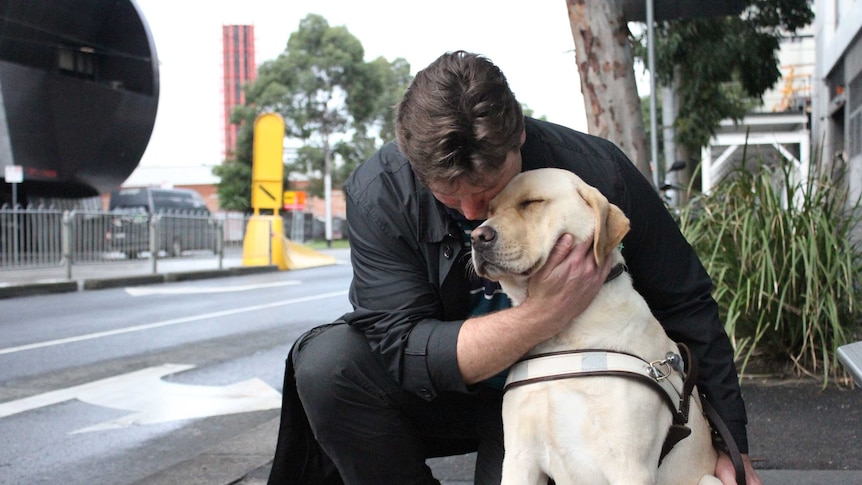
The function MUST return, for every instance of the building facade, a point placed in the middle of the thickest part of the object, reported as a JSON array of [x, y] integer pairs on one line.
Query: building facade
[[239, 69], [780, 128], [837, 120]]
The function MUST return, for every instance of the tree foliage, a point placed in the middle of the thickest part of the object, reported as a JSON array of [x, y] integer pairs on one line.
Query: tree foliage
[[721, 67], [338, 105]]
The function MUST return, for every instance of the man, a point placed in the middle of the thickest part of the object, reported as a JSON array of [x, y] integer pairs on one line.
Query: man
[[414, 373]]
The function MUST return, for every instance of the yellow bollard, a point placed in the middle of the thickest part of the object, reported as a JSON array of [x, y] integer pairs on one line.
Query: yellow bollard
[[297, 256], [265, 244], [262, 244]]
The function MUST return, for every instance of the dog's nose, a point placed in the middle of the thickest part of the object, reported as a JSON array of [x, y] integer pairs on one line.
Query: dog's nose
[[483, 236]]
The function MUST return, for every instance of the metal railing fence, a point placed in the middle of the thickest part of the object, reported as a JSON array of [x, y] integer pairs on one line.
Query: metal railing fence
[[30, 237], [37, 237]]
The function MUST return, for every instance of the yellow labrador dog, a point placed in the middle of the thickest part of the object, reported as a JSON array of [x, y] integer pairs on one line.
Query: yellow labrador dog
[[595, 404]]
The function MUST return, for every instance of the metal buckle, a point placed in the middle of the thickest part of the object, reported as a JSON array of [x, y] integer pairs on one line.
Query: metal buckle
[[662, 369]]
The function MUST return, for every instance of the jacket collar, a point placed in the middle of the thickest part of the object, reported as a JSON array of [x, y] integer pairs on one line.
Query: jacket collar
[[434, 222]]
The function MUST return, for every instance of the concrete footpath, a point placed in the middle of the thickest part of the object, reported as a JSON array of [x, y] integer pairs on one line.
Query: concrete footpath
[[799, 433], [24, 281]]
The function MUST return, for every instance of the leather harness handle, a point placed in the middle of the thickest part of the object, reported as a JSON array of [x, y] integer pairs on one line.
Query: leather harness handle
[[729, 442]]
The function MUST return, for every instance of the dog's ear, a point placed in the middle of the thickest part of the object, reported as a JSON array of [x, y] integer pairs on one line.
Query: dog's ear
[[611, 223]]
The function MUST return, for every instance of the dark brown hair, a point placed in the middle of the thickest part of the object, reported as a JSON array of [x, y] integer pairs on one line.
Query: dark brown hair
[[458, 119]]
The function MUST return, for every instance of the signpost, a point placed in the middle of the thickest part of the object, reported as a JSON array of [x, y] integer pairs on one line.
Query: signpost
[[294, 200], [14, 175]]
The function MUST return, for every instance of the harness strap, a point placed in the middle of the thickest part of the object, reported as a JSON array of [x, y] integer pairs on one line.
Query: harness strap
[[677, 431], [579, 363], [675, 434], [690, 375], [726, 439]]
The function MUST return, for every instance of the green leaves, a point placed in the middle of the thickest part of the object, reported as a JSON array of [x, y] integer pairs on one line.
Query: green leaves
[[781, 254], [328, 96], [721, 67]]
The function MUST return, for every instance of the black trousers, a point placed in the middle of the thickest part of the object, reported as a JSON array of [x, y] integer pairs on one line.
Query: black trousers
[[345, 420]]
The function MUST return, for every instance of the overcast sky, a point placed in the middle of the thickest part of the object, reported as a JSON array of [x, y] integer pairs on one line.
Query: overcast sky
[[530, 41]]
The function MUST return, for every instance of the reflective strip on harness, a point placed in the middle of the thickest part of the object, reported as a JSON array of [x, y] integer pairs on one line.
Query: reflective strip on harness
[[578, 363]]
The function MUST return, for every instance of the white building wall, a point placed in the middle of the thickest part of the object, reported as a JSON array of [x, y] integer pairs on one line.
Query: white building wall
[[837, 102], [796, 60]]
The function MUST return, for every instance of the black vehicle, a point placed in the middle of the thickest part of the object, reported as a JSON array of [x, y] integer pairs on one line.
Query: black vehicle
[[181, 218]]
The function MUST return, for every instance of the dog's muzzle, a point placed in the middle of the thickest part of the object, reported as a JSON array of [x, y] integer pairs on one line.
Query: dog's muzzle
[[482, 239]]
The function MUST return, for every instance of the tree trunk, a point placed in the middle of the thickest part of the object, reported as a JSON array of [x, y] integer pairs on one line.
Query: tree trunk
[[606, 68]]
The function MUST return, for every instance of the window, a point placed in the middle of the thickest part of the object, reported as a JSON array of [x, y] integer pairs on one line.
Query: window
[[77, 61], [854, 130]]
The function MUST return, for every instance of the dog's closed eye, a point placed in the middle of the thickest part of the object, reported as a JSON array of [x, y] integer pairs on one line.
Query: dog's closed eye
[[528, 202]]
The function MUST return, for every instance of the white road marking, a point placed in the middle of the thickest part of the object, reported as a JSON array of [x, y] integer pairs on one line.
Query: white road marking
[[154, 400], [193, 290], [166, 323]]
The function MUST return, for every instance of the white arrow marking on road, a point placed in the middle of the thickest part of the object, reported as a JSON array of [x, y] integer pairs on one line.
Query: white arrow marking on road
[[167, 290], [154, 400]]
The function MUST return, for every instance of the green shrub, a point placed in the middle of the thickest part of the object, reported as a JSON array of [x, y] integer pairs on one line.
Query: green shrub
[[785, 267]]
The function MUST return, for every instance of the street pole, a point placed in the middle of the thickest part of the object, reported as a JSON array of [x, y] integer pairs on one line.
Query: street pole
[[327, 193], [653, 117]]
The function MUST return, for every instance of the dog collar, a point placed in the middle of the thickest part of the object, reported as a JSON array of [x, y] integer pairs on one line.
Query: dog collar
[[616, 271]]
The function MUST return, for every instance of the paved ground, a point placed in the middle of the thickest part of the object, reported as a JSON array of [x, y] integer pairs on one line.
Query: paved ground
[[800, 434]]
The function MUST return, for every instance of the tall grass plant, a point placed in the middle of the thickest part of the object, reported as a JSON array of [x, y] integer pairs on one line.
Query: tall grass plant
[[785, 265]]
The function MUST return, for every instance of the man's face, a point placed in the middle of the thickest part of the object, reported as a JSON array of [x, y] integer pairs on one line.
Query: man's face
[[472, 200]]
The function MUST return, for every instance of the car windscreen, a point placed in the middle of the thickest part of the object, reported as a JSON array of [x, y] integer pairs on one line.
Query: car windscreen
[[129, 199]]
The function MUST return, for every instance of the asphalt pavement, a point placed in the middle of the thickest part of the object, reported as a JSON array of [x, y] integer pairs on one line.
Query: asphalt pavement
[[799, 432]]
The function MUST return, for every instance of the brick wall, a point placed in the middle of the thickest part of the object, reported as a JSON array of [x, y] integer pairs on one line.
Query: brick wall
[[315, 205]]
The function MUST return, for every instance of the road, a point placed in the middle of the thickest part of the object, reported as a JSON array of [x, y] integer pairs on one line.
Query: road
[[111, 386]]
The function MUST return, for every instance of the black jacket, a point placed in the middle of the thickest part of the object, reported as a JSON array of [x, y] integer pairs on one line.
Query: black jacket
[[409, 289]]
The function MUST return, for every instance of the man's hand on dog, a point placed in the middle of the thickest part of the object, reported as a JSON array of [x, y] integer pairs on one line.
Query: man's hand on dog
[[725, 472], [570, 279]]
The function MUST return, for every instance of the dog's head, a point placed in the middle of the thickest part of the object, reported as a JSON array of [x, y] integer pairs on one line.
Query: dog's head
[[530, 214]]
